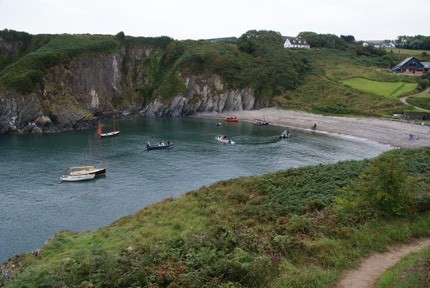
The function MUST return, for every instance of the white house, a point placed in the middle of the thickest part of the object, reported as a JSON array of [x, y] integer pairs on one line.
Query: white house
[[293, 42], [379, 44]]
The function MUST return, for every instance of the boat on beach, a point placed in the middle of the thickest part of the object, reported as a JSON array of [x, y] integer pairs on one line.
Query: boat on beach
[[231, 119], [159, 146], [74, 178], [224, 139], [261, 122]]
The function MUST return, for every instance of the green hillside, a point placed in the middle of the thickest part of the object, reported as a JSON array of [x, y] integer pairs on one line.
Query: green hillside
[[306, 79], [325, 91], [295, 228]]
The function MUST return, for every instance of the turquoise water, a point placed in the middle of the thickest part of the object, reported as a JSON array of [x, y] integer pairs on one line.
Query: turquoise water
[[35, 204]]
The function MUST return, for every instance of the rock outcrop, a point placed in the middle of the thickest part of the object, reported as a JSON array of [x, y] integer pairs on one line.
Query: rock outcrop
[[73, 95], [202, 95]]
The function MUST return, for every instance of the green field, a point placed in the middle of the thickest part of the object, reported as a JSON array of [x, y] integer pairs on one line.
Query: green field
[[386, 89], [408, 52]]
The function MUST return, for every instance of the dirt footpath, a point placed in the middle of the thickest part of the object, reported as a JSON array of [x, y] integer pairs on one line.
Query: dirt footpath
[[372, 267]]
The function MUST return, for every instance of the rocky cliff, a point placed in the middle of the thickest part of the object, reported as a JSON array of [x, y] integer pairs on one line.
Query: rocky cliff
[[74, 95]]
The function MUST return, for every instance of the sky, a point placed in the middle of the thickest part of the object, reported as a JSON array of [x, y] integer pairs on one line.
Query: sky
[[199, 19]]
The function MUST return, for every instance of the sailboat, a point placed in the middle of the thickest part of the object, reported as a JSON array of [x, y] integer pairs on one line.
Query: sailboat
[[108, 134], [85, 172]]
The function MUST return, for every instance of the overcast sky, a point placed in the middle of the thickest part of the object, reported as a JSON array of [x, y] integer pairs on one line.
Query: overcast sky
[[199, 19]]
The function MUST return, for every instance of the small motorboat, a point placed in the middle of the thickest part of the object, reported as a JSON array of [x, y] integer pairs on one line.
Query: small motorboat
[[80, 177], [284, 135], [231, 119], [224, 139], [160, 145], [261, 122]]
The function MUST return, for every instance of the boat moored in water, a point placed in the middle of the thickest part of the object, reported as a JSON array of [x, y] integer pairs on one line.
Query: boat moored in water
[[74, 178], [224, 139], [284, 135], [158, 146], [82, 170], [114, 132]]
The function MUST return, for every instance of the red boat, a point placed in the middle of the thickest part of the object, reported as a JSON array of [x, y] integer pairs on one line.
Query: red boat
[[231, 119]]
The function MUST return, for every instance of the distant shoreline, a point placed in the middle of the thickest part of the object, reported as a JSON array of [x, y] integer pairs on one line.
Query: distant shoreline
[[384, 131]]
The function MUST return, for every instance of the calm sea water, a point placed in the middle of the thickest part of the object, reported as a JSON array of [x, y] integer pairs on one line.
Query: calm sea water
[[34, 204]]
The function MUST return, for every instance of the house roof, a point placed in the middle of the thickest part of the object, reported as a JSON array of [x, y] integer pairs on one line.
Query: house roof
[[404, 61], [426, 65], [296, 41], [410, 62]]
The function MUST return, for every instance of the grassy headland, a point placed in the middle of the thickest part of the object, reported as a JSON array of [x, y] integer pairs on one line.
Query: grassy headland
[[295, 228], [304, 79]]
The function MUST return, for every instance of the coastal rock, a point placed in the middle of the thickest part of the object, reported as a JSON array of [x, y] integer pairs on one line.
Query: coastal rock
[[17, 111], [71, 95], [203, 94], [43, 121]]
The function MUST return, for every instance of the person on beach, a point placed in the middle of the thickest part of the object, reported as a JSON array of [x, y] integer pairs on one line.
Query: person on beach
[[314, 127]]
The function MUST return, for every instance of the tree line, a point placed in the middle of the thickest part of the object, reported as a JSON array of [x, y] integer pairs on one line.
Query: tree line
[[418, 42]]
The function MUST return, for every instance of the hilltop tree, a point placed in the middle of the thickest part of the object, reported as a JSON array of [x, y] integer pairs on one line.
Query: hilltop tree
[[324, 40], [348, 38], [258, 42]]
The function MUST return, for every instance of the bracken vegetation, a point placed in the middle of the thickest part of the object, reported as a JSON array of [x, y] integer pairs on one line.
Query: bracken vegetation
[[294, 228]]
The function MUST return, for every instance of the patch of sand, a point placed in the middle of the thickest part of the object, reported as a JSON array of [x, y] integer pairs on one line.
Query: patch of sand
[[384, 131]]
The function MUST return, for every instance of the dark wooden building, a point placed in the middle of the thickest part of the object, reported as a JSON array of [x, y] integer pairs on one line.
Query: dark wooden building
[[411, 65]]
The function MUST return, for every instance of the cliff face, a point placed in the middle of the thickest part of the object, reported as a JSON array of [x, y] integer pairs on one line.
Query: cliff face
[[72, 96], [202, 95]]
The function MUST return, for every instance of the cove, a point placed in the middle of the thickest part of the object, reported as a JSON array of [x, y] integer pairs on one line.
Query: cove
[[35, 204]]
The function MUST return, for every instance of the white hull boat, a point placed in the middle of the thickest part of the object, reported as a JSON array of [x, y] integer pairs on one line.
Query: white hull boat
[[81, 177], [109, 134], [224, 139], [82, 170]]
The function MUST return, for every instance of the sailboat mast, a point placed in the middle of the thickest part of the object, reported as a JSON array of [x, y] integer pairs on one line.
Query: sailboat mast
[[91, 151]]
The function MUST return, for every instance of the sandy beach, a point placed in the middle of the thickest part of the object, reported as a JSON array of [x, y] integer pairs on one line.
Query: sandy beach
[[384, 131]]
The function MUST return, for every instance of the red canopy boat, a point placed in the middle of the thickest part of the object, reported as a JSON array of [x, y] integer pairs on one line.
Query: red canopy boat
[[231, 119]]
